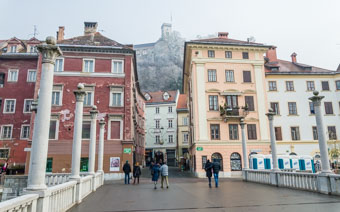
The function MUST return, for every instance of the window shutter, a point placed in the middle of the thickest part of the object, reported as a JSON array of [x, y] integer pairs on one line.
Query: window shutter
[[246, 76], [249, 100], [278, 133], [115, 130]]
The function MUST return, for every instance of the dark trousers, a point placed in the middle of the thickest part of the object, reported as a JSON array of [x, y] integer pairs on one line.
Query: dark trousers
[[216, 179], [209, 178], [127, 178], [134, 180]]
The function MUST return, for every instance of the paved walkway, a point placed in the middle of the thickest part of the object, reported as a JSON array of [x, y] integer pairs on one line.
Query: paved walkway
[[192, 194]]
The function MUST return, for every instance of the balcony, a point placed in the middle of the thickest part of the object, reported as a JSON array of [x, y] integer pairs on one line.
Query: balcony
[[228, 112]]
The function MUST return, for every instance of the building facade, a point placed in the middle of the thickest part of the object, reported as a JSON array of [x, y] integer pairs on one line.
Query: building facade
[[183, 131], [223, 72], [161, 127]]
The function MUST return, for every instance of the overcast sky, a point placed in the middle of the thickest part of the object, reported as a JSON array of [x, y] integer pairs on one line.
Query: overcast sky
[[311, 28]]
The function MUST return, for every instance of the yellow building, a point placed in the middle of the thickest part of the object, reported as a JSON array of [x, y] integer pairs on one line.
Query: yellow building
[[183, 131]]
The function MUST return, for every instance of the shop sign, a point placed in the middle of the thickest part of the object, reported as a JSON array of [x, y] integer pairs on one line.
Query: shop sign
[[199, 148], [127, 150]]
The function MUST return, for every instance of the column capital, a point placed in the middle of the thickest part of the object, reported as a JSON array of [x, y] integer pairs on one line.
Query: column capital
[[316, 99], [80, 93], [94, 112], [102, 123], [49, 50], [270, 114]]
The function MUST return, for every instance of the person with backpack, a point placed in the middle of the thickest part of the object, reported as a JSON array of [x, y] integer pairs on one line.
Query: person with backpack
[[164, 170], [136, 173], [216, 167], [207, 168], [127, 170]]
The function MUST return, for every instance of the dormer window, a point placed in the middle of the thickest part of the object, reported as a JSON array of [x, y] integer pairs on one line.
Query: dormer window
[[13, 49], [274, 68], [166, 96], [33, 49], [147, 96]]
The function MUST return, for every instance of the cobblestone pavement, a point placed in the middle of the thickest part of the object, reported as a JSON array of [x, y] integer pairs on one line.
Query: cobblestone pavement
[[192, 194]]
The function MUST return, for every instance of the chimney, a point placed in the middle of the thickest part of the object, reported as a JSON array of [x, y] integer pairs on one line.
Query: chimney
[[293, 57], [223, 35], [90, 28], [271, 54], [60, 33]]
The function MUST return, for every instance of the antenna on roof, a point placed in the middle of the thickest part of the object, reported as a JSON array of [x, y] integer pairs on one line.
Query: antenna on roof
[[35, 33], [171, 17]]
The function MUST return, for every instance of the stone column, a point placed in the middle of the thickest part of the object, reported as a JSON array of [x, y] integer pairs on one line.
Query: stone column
[[270, 115], [36, 176], [77, 131], [244, 145], [101, 145], [93, 135], [316, 99]]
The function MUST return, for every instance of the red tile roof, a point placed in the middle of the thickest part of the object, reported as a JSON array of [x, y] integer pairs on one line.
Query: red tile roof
[[182, 102], [225, 40], [157, 97], [287, 67]]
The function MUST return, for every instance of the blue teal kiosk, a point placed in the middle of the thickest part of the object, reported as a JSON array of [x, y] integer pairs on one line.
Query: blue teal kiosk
[[284, 162], [306, 163], [294, 162], [268, 162], [257, 161]]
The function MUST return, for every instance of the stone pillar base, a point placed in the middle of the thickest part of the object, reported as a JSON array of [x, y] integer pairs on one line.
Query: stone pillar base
[[273, 178], [324, 185], [244, 174]]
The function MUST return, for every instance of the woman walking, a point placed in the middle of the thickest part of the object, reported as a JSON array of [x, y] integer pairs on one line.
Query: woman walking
[[155, 174], [136, 173], [208, 167]]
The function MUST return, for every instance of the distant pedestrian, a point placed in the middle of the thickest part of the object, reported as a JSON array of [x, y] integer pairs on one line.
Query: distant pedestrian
[[207, 168], [164, 173], [151, 166], [216, 169], [136, 173], [155, 174], [127, 171]]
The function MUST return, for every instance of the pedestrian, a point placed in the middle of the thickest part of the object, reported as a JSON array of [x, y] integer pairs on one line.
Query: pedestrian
[[164, 173], [136, 173], [155, 174], [127, 170], [208, 167], [216, 168]]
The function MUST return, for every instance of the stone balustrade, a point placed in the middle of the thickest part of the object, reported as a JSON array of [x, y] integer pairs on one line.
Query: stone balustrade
[[299, 180], [23, 203], [86, 185], [62, 197], [53, 179]]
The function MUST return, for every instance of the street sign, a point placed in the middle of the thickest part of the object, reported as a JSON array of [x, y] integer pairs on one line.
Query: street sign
[[199, 148], [127, 150]]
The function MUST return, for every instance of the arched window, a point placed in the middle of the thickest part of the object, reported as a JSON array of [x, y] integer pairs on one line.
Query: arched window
[[218, 158], [235, 162]]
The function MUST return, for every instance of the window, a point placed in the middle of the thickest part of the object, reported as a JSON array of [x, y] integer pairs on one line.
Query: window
[[56, 100], [311, 108], [328, 108], [289, 86], [84, 164], [31, 75], [232, 101], [59, 65], [4, 153], [229, 76], [235, 162], [33, 49], [275, 107], [249, 100], [86, 133], [217, 157], [53, 134], [157, 124], [213, 102], [170, 109], [233, 131], [25, 132], [117, 100], [251, 128], [12, 75], [245, 55], [315, 133], [171, 138], [185, 121], [228, 54], [9, 106], [0, 103], [211, 53], [170, 123], [212, 75], [49, 164], [2, 80], [158, 139], [204, 161], [157, 110], [88, 101], [246, 76], [88, 65], [117, 66], [325, 85], [185, 137], [13, 49], [331, 132], [337, 84], [310, 86], [215, 131], [272, 86], [6, 132], [292, 108], [27, 105], [278, 133], [295, 133], [115, 129]]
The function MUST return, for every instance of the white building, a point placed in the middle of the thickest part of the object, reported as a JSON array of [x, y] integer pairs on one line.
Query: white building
[[161, 126], [289, 85]]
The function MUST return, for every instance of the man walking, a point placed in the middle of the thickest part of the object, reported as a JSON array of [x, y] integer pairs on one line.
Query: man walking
[[127, 170], [164, 173], [208, 167], [216, 168]]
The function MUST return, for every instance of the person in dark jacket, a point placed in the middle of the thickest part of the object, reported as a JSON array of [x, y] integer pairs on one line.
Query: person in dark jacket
[[136, 173], [216, 168], [208, 167], [155, 176], [127, 170]]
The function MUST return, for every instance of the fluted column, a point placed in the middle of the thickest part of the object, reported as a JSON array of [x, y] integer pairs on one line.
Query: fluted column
[[101, 145], [316, 99], [93, 135], [270, 115], [36, 176], [244, 145], [77, 132]]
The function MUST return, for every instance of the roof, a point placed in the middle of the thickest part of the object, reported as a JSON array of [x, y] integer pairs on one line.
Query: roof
[[287, 67], [182, 102], [226, 41], [157, 97], [95, 39], [144, 45]]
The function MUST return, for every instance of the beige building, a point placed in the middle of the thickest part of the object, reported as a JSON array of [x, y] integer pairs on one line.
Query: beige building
[[182, 130]]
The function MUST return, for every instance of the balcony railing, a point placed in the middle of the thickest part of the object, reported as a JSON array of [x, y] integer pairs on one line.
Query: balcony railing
[[237, 112]]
